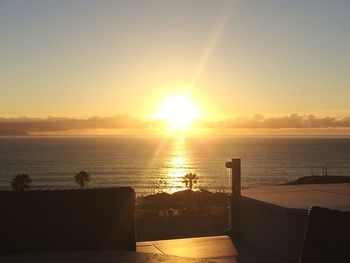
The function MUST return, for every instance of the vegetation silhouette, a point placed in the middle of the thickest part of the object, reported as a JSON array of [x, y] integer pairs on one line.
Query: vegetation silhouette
[[190, 179], [181, 214], [160, 186], [82, 178], [21, 182]]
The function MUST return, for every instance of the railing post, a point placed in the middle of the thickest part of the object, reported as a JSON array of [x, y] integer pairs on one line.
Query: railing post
[[235, 166]]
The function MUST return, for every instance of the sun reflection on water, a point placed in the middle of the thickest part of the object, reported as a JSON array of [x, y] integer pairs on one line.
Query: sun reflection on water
[[177, 165]]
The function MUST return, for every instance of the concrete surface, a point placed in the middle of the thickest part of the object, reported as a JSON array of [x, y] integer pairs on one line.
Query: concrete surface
[[249, 253], [96, 257], [214, 249], [333, 196]]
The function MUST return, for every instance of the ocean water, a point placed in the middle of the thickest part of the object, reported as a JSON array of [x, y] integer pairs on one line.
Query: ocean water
[[141, 162]]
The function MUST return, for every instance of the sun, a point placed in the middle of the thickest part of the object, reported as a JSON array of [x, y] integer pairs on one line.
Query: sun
[[178, 111]]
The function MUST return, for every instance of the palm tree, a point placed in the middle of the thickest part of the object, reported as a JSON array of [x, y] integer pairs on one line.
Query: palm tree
[[82, 178], [21, 182], [190, 179]]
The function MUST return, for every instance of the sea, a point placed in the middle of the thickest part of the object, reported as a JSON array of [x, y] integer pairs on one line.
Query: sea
[[156, 164]]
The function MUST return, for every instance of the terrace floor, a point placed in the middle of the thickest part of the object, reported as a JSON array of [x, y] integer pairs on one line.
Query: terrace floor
[[217, 248], [213, 249]]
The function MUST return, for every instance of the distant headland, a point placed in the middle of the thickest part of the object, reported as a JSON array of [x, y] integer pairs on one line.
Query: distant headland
[[321, 179], [13, 132]]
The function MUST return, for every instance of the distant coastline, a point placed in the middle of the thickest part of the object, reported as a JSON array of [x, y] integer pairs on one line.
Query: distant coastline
[[321, 179], [13, 132]]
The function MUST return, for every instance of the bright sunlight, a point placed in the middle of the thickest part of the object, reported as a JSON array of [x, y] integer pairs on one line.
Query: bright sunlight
[[178, 111]]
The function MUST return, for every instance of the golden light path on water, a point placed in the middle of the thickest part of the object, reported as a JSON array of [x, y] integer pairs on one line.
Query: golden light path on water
[[173, 158], [176, 164]]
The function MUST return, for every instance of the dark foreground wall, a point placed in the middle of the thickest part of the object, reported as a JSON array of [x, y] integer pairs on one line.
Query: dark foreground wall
[[181, 226], [92, 219], [278, 230]]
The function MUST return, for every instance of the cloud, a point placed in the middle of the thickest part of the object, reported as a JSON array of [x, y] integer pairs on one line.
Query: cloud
[[63, 124], [257, 121], [289, 121]]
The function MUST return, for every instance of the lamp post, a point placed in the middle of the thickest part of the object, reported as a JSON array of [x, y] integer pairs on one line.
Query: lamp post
[[235, 166]]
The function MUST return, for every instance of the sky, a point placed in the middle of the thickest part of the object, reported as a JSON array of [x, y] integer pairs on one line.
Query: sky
[[79, 59]]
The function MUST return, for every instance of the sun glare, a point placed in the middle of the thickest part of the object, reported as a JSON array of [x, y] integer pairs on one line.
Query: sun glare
[[178, 111]]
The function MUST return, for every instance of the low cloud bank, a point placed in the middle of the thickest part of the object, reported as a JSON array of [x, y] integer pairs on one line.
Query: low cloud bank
[[291, 121], [129, 122], [64, 124]]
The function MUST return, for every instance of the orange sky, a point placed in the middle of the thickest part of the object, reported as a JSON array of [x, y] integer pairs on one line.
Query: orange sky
[[232, 58]]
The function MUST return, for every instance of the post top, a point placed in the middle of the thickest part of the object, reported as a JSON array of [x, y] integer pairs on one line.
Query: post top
[[234, 161]]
